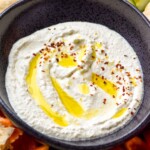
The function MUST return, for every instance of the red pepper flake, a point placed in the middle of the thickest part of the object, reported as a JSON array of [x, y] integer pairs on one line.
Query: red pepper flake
[[41, 51], [66, 56], [57, 59], [91, 84], [123, 89], [113, 96], [34, 54], [119, 82], [119, 66], [46, 58], [112, 72], [63, 43], [102, 68], [132, 113], [105, 82], [53, 45], [102, 51], [106, 63], [137, 70], [122, 67], [140, 77], [117, 104], [104, 101], [71, 48], [91, 94], [128, 74]]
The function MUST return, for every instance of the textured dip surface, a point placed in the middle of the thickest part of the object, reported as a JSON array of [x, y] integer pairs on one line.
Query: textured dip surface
[[74, 80]]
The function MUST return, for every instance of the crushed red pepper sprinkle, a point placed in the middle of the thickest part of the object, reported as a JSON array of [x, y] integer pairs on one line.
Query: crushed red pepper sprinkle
[[113, 96], [106, 63], [34, 54], [102, 68], [57, 59], [104, 101], [132, 113], [123, 89]]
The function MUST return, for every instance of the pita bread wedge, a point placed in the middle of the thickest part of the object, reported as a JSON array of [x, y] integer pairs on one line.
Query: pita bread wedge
[[5, 133], [5, 3]]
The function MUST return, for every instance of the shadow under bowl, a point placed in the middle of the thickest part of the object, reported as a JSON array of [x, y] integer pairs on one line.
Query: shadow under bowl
[[29, 16]]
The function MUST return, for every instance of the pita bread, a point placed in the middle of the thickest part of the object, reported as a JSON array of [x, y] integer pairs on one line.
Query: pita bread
[[5, 133], [5, 3]]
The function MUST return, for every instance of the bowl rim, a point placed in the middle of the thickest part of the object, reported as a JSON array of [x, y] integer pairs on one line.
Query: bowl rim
[[64, 143]]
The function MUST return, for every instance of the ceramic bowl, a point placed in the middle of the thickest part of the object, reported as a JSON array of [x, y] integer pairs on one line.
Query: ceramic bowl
[[28, 16]]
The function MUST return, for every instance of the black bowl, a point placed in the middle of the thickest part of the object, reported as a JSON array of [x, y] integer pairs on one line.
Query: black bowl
[[28, 16]]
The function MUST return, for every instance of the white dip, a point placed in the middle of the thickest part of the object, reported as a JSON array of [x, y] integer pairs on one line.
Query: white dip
[[74, 80]]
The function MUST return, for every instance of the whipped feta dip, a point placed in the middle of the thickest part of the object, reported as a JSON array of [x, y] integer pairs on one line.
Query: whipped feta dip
[[74, 80]]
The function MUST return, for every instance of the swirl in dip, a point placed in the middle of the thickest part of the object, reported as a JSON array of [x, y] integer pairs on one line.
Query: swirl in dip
[[74, 80]]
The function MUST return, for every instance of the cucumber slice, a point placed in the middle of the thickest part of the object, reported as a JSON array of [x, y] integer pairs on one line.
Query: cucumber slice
[[132, 2], [141, 4]]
